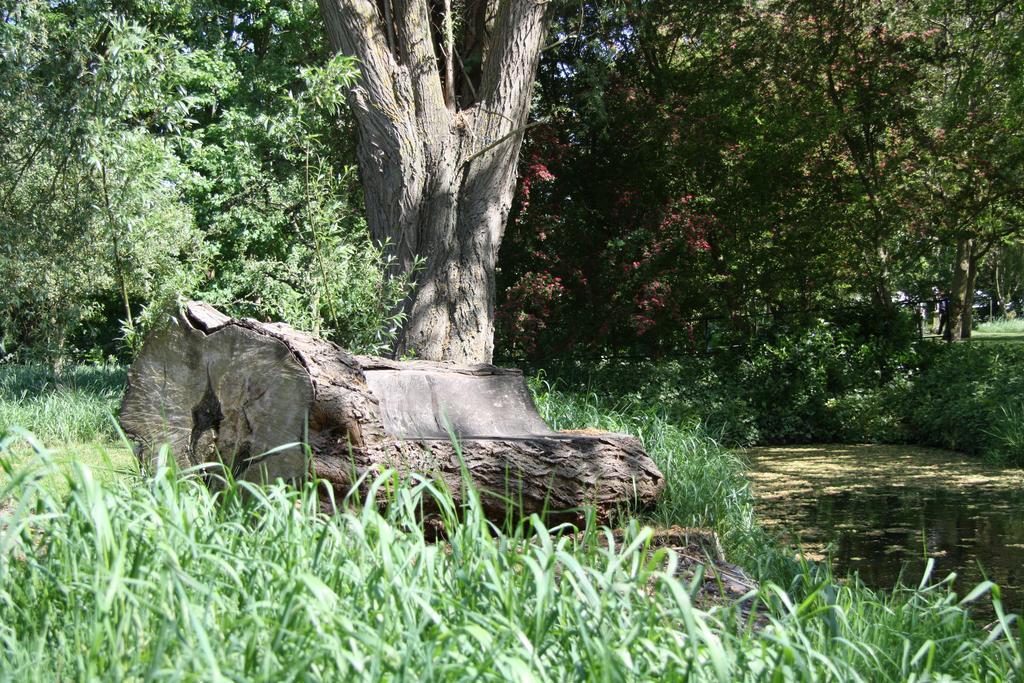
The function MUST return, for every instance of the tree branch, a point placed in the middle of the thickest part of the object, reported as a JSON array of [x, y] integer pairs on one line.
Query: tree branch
[[448, 26], [354, 28], [417, 52], [519, 32], [389, 25], [516, 131]]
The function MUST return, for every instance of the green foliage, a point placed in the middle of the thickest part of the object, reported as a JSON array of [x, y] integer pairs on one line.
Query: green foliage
[[293, 246], [90, 199], [761, 164], [871, 415], [155, 152], [817, 384], [823, 386], [788, 382], [1007, 435], [705, 484], [968, 397], [255, 583]]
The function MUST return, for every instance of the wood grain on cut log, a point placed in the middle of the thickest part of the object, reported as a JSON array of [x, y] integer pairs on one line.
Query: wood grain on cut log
[[217, 389]]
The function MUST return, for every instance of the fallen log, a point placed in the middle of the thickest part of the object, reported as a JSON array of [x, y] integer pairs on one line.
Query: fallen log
[[234, 391]]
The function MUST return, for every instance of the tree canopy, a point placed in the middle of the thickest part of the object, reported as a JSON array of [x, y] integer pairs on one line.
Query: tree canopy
[[755, 164]]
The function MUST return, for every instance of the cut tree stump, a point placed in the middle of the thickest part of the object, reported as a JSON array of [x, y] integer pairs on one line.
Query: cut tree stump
[[248, 394]]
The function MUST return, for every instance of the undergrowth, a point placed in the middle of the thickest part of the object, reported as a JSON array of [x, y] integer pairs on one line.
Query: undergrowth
[[153, 576], [705, 483]]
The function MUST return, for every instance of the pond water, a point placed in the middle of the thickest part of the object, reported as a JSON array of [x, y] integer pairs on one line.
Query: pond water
[[882, 511]]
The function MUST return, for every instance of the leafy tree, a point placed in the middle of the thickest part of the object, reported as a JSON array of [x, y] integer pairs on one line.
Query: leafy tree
[[759, 164], [90, 201], [970, 170], [730, 170], [159, 150]]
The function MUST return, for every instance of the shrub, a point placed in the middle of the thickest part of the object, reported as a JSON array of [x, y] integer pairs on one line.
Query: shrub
[[1007, 436], [965, 396], [823, 385], [871, 415]]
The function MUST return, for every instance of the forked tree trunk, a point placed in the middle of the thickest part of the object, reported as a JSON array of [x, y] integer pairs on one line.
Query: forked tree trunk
[[970, 253], [438, 172], [247, 394]]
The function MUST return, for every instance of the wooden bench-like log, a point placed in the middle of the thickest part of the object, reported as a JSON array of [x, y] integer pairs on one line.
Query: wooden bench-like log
[[223, 390]]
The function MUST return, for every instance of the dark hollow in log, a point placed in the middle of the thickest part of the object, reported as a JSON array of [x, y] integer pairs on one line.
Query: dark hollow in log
[[233, 391]]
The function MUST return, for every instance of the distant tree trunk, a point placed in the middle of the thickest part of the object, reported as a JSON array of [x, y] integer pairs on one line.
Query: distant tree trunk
[[972, 279], [958, 299], [438, 168], [1000, 305], [929, 321], [885, 306]]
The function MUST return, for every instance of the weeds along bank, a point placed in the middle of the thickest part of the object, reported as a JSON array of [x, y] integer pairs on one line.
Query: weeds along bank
[[823, 386], [156, 577]]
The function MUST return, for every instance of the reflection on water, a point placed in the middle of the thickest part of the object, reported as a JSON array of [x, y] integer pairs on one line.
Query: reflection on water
[[883, 510]]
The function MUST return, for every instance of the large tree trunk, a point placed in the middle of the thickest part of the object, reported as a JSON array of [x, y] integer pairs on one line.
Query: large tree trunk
[[439, 174], [247, 395]]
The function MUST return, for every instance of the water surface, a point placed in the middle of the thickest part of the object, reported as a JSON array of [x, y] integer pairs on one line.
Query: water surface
[[883, 510]]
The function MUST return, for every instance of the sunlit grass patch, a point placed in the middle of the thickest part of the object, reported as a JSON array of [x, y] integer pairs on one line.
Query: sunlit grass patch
[[1008, 330], [75, 405], [1003, 326], [106, 460]]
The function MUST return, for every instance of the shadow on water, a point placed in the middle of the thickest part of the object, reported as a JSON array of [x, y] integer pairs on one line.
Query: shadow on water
[[882, 511]]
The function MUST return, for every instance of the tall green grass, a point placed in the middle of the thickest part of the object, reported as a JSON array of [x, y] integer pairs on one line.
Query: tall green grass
[[705, 483], [72, 406], [158, 578], [1003, 326], [151, 576]]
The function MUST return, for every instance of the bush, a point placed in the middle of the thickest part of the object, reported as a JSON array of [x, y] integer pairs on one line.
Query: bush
[[816, 384], [823, 385], [967, 397], [1007, 437], [787, 383], [869, 415], [705, 483]]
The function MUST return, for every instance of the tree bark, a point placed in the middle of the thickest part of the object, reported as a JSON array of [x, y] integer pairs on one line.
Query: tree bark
[[958, 289], [248, 395], [967, 317], [439, 175], [1000, 301]]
